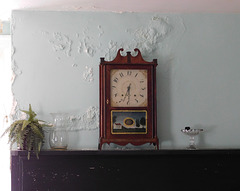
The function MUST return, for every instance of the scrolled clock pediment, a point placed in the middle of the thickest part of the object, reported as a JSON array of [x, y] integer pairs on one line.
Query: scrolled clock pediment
[[119, 59]]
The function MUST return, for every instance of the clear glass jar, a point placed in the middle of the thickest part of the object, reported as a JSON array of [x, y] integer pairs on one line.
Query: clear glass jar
[[58, 137]]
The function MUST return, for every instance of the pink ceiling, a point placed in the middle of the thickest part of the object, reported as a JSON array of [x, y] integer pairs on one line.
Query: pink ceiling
[[164, 6]]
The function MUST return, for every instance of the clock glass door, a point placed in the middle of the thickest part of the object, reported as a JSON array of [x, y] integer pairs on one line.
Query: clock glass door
[[128, 88]]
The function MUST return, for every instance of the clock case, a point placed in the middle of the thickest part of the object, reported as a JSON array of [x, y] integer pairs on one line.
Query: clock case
[[127, 62]]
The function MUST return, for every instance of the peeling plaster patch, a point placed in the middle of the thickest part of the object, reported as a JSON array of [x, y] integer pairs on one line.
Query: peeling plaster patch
[[113, 47], [13, 24], [87, 46], [13, 78], [16, 71], [46, 33], [80, 48], [158, 37], [88, 74], [15, 68], [88, 121], [60, 43], [101, 32], [13, 51], [149, 37], [14, 114]]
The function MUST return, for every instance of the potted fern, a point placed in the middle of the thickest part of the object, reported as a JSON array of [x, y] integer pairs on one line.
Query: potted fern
[[28, 134]]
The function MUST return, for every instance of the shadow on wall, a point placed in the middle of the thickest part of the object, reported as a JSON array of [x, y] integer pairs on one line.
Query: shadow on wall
[[164, 100], [202, 136]]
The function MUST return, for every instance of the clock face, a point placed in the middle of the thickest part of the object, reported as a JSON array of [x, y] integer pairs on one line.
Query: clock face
[[128, 88]]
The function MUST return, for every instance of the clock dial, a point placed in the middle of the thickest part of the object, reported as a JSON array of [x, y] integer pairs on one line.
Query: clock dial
[[128, 88]]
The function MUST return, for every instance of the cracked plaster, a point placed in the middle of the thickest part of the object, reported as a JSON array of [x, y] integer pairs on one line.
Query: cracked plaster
[[81, 47], [87, 121], [148, 39]]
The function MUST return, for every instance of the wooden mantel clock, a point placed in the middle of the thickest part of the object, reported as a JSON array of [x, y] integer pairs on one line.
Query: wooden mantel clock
[[128, 110]]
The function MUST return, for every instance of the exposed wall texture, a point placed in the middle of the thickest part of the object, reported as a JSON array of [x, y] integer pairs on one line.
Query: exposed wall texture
[[56, 56]]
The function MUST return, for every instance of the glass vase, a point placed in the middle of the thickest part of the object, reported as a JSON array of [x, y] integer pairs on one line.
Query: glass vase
[[58, 137]]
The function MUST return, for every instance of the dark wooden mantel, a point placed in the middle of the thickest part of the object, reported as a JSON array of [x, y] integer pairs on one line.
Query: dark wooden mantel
[[139, 170]]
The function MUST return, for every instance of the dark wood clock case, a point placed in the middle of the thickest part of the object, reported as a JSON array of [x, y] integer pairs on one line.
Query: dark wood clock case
[[127, 62]]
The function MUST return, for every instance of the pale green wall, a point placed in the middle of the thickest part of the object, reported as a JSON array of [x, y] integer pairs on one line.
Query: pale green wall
[[56, 57]]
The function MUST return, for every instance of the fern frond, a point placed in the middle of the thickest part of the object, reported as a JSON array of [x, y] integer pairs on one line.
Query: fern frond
[[30, 113], [36, 131], [30, 142], [5, 132], [37, 147], [25, 124], [29, 153]]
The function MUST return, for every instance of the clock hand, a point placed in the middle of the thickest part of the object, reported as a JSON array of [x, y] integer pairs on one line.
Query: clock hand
[[127, 93], [125, 96], [129, 87]]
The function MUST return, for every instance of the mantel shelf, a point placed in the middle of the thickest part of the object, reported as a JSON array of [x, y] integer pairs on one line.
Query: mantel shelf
[[212, 169], [133, 152]]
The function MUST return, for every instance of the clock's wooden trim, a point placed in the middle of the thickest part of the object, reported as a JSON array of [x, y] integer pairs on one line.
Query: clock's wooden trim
[[128, 59], [135, 142]]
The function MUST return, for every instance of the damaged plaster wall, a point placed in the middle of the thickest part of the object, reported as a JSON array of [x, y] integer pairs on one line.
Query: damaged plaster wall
[[56, 56], [5, 108]]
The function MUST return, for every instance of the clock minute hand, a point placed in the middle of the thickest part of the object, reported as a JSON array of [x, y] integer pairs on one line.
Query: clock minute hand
[[125, 95], [129, 87], [128, 92]]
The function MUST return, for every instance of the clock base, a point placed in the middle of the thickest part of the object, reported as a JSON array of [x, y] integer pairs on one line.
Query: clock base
[[123, 142]]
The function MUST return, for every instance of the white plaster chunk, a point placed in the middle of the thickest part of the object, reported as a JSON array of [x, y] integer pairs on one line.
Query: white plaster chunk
[[45, 33], [13, 113], [87, 46], [13, 24], [113, 47], [88, 121], [13, 51], [16, 113], [88, 74], [16, 71], [60, 43], [101, 32], [13, 78]]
